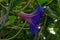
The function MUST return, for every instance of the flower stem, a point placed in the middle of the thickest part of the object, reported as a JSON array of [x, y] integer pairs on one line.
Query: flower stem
[[18, 31], [42, 29]]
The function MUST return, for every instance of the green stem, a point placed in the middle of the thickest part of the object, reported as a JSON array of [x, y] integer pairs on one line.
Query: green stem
[[42, 29], [24, 23], [18, 31], [26, 5], [3, 6], [49, 2]]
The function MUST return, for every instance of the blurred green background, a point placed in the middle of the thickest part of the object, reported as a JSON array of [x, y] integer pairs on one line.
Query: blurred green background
[[14, 28]]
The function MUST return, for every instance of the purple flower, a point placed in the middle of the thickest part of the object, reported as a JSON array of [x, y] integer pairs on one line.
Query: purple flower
[[32, 18]]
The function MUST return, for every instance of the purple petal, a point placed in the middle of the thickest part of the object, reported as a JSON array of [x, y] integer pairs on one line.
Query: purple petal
[[38, 10], [32, 18]]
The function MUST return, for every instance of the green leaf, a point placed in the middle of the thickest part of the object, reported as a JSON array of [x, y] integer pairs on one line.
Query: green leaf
[[52, 25], [1, 0], [42, 1], [11, 20], [51, 14], [59, 3], [59, 6], [4, 0], [28, 11], [56, 29], [14, 3]]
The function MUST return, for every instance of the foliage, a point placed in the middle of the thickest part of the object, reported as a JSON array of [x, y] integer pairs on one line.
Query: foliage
[[14, 28]]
